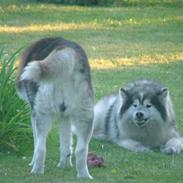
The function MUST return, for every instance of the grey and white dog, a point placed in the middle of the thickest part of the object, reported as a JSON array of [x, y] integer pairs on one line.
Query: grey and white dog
[[140, 117], [54, 78]]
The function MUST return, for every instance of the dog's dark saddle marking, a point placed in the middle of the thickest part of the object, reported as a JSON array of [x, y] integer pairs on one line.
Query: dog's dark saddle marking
[[62, 107], [31, 89], [108, 120]]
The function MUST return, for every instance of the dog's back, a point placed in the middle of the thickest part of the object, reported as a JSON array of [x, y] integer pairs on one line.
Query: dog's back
[[41, 50]]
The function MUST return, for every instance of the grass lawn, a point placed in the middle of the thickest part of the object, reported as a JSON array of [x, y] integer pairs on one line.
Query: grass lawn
[[123, 44]]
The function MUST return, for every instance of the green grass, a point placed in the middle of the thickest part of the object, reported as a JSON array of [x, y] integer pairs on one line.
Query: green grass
[[123, 44]]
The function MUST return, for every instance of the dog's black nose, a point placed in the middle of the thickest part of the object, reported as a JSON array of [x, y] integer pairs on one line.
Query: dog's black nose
[[140, 115]]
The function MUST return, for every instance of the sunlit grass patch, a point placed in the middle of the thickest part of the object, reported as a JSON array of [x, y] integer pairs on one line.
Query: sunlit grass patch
[[142, 21], [136, 61], [46, 27]]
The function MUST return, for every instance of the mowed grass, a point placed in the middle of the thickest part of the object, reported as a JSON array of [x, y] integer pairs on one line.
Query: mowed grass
[[123, 44]]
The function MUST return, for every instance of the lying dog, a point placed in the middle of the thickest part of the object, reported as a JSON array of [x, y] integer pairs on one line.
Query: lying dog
[[54, 78], [139, 118]]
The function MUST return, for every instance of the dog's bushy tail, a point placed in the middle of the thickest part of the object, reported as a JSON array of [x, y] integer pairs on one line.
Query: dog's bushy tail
[[58, 63]]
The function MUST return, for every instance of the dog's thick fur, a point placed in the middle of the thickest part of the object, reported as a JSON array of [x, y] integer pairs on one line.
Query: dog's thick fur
[[54, 78], [140, 117]]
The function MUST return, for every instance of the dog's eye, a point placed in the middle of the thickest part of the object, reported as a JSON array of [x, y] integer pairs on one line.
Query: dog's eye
[[134, 105], [148, 105]]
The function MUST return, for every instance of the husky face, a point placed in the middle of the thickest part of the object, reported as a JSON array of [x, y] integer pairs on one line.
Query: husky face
[[141, 112], [143, 104]]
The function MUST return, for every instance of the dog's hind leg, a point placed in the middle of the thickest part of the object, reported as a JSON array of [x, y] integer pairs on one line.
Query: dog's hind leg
[[42, 126], [65, 144], [83, 130], [33, 120]]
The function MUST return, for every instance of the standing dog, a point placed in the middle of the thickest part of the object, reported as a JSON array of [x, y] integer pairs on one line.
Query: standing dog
[[54, 78], [139, 118]]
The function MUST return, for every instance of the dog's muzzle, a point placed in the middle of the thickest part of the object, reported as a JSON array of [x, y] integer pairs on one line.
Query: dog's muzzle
[[140, 119]]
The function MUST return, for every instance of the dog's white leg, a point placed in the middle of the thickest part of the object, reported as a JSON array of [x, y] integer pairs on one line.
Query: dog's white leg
[[173, 146], [65, 144], [133, 145], [33, 120], [42, 126], [83, 130]]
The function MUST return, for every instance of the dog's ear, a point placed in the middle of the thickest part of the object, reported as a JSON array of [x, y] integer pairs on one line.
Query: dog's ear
[[163, 93], [123, 92]]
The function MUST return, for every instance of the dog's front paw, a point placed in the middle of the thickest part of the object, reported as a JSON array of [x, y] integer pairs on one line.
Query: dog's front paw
[[133, 145], [37, 169], [143, 149], [64, 165], [173, 146], [171, 150]]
